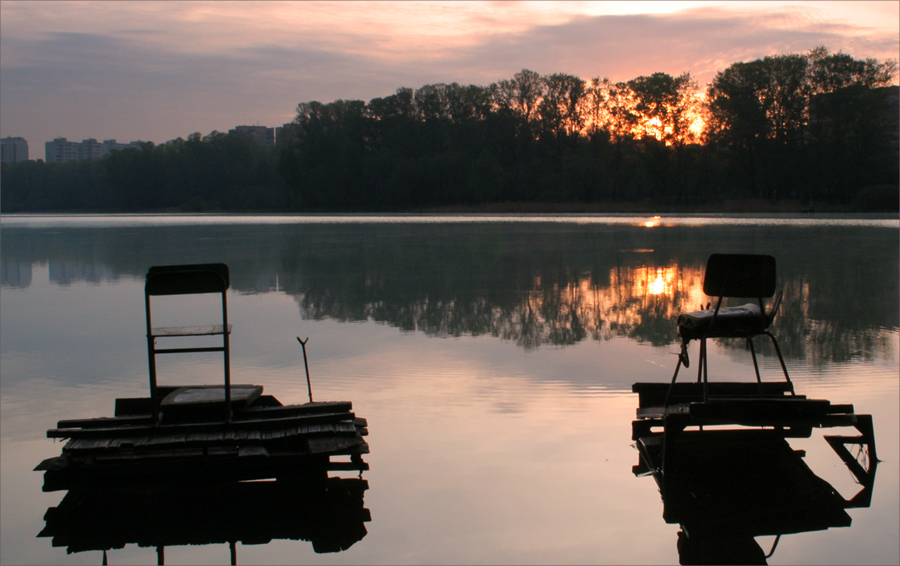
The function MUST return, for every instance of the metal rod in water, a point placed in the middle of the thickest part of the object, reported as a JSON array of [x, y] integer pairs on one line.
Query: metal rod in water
[[306, 364]]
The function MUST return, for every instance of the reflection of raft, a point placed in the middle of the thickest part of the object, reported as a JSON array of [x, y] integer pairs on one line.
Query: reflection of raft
[[328, 513], [203, 432], [727, 474]]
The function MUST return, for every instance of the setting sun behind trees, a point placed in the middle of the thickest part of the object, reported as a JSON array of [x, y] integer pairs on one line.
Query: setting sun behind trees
[[669, 109], [660, 106]]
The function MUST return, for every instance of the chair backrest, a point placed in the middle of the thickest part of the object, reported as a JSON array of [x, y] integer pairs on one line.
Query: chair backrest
[[187, 279], [739, 275]]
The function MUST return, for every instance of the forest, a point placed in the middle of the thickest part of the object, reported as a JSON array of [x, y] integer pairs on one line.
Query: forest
[[818, 128]]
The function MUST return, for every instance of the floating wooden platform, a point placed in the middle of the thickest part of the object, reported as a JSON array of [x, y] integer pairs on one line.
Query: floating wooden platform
[[753, 404], [264, 439]]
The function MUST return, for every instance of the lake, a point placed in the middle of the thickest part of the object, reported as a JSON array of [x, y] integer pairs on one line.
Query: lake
[[493, 357]]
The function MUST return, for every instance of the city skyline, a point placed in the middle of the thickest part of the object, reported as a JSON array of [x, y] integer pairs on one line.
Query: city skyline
[[158, 71]]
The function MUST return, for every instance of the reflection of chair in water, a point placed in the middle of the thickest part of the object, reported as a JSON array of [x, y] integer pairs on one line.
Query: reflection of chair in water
[[725, 487], [328, 513], [732, 275]]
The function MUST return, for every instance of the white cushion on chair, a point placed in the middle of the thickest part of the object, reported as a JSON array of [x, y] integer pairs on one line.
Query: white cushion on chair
[[731, 321]]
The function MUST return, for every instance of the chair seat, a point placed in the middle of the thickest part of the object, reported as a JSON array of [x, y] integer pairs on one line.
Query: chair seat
[[745, 320]]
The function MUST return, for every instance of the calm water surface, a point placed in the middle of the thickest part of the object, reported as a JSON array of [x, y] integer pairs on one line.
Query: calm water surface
[[492, 356]]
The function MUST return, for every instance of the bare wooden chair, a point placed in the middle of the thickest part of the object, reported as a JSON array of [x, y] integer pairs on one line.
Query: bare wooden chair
[[187, 280], [732, 275]]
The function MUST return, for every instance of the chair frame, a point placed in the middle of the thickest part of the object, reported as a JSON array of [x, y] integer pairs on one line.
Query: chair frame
[[187, 280], [735, 275]]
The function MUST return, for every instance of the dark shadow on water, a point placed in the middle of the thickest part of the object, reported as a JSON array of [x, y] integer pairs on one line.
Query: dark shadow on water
[[726, 487], [328, 513]]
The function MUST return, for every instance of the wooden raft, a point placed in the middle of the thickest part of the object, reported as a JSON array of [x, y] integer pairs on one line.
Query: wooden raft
[[264, 439], [766, 404]]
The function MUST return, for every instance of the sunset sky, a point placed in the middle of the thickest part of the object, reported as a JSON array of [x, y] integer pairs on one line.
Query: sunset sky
[[155, 70]]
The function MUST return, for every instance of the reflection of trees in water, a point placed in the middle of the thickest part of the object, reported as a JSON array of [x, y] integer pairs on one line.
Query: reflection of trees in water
[[531, 283], [625, 305], [560, 286], [560, 314]]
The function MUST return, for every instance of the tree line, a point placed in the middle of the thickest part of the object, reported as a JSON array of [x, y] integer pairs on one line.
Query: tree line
[[820, 126]]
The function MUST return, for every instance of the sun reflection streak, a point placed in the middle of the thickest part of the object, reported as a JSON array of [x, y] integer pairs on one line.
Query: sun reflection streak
[[658, 286], [628, 298]]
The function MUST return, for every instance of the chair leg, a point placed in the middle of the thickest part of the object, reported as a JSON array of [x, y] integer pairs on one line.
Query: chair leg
[[755, 364], [672, 384], [704, 367], [781, 361], [702, 362]]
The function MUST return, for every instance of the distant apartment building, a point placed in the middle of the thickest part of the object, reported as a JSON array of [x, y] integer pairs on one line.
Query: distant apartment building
[[89, 149], [112, 145], [13, 150], [61, 149], [260, 134]]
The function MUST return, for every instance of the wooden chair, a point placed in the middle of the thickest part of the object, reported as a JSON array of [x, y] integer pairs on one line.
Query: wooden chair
[[186, 280], [731, 275]]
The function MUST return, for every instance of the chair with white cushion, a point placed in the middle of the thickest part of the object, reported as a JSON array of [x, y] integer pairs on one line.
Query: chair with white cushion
[[732, 275]]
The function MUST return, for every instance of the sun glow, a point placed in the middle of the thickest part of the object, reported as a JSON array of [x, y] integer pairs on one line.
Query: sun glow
[[658, 286], [614, 108], [623, 300]]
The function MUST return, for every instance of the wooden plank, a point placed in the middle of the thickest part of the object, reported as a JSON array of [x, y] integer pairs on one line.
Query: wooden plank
[[205, 437], [185, 398], [654, 393], [112, 457], [242, 435], [254, 412], [127, 442], [260, 423], [761, 407], [136, 411], [88, 444], [104, 422], [348, 466], [659, 412], [733, 387], [200, 439], [769, 412], [333, 444]]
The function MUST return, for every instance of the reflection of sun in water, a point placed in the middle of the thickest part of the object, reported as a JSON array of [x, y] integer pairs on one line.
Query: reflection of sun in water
[[658, 285], [629, 295], [660, 282]]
